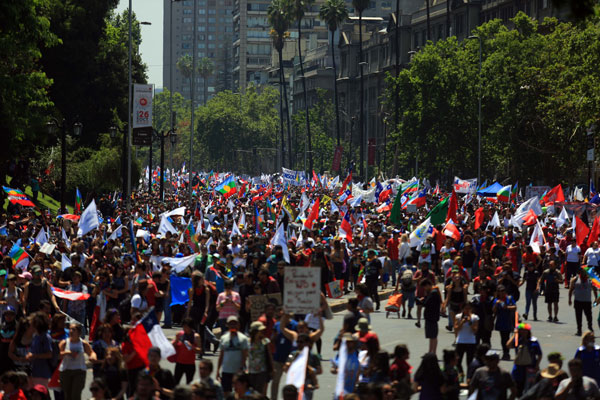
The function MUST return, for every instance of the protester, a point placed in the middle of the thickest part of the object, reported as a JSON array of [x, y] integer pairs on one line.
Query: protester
[[233, 354], [589, 354], [581, 288], [491, 380], [72, 368], [577, 386]]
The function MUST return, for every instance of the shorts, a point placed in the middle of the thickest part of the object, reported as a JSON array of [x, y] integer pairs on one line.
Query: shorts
[[431, 329], [259, 380], [226, 381], [409, 296], [551, 297]]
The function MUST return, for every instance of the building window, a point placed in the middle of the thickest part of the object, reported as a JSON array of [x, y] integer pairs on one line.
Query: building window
[[187, 20], [186, 37], [212, 11], [211, 37], [187, 11], [459, 23], [201, 45], [185, 45], [187, 3]]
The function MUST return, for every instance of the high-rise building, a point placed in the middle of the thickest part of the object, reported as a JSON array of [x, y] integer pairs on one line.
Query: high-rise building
[[214, 30]]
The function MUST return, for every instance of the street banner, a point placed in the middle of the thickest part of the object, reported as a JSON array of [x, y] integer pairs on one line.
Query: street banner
[[142, 105], [337, 158], [296, 178], [465, 185], [301, 290]]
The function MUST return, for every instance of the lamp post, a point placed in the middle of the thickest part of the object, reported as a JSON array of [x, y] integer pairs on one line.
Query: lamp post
[[113, 134], [193, 97], [52, 126], [479, 113], [171, 74]]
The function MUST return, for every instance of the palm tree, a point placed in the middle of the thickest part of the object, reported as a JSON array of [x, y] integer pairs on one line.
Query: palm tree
[[184, 65], [299, 8], [360, 6], [428, 20], [279, 19], [334, 13], [205, 68]]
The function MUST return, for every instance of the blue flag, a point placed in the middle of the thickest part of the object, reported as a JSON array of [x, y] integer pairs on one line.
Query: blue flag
[[179, 289]]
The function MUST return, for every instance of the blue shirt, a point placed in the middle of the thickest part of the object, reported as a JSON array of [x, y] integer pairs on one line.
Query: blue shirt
[[519, 372], [283, 346], [351, 371], [503, 316], [590, 360]]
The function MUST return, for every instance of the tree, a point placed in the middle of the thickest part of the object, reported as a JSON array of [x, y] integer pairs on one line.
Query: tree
[[184, 65], [24, 98], [89, 69], [299, 8], [334, 13], [205, 68], [279, 19], [360, 6]]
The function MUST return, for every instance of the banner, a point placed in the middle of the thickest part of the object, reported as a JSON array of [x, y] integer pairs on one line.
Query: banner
[[337, 158], [142, 105], [465, 185], [296, 178], [368, 196], [302, 290], [335, 289]]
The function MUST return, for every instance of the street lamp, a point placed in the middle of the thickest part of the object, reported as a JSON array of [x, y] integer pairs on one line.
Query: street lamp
[[173, 118], [53, 125], [479, 110]]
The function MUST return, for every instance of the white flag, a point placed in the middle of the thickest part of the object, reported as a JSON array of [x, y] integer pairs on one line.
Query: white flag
[[355, 202], [41, 237], [341, 370], [537, 238], [235, 231], [418, 235], [334, 207], [179, 263], [242, 221], [89, 219], [304, 203], [65, 262], [65, 238], [116, 233], [563, 218], [279, 239], [495, 222], [296, 374], [165, 226], [178, 211]]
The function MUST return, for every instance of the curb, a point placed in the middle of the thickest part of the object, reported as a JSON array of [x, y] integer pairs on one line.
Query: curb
[[338, 305]]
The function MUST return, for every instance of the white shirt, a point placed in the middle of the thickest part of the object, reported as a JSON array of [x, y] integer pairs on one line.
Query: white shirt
[[592, 256], [573, 253], [466, 334], [138, 302]]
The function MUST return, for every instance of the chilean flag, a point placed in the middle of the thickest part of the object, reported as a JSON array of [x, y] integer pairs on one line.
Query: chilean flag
[[314, 213], [345, 231], [147, 333], [69, 295], [385, 194]]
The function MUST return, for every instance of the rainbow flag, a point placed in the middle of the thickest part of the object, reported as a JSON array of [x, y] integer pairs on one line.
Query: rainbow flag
[[227, 188], [189, 230], [593, 276], [258, 220], [78, 201], [19, 257], [138, 221], [15, 196]]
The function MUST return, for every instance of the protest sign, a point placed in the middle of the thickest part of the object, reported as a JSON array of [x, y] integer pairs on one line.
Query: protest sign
[[302, 289], [334, 289], [259, 301]]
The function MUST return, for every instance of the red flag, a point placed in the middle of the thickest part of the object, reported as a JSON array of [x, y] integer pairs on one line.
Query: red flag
[[345, 183], [594, 233], [314, 213], [316, 179], [555, 194], [581, 231], [451, 230], [479, 215], [530, 218], [95, 323], [140, 341], [452, 207]]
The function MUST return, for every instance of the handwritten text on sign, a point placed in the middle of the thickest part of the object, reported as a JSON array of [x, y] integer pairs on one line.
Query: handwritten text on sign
[[302, 289]]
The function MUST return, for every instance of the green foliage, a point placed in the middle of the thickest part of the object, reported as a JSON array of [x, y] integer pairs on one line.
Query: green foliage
[[279, 17], [322, 117], [230, 122], [24, 99], [333, 13], [538, 96], [360, 5]]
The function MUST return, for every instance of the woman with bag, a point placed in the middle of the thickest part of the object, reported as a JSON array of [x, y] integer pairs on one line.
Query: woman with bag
[[187, 344], [197, 308], [260, 359], [527, 361]]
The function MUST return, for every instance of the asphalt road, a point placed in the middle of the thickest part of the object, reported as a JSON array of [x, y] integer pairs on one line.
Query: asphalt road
[[392, 331]]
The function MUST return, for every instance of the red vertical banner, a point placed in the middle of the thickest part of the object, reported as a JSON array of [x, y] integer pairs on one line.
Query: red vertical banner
[[372, 147], [337, 158]]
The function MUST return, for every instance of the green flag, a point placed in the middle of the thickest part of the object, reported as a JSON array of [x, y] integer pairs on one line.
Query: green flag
[[397, 209], [438, 213]]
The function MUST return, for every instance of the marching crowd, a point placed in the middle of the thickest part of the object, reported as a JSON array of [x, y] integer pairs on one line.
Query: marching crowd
[[72, 301]]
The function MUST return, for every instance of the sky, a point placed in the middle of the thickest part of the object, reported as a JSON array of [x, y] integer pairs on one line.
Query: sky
[[152, 35]]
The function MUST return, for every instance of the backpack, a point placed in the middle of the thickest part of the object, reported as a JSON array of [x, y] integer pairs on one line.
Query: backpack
[[407, 279]]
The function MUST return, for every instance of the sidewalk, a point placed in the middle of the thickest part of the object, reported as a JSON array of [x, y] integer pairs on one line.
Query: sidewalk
[[338, 305]]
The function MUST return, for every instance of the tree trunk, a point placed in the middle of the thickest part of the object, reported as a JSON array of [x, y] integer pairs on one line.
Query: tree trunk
[[396, 94], [287, 110], [308, 135], [428, 21], [362, 99], [335, 92], [281, 107]]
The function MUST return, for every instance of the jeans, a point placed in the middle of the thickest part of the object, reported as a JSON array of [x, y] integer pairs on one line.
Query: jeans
[[531, 298], [187, 369], [372, 283], [583, 307], [72, 382], [465, 348], [168, 320], [395, 267]]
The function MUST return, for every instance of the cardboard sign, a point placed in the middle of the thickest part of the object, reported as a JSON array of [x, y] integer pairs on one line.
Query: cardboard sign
[[334, 289], [302, 289], [259, 301]]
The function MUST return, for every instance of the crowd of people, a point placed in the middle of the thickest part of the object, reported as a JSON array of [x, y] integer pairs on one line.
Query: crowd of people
[[69, 302]]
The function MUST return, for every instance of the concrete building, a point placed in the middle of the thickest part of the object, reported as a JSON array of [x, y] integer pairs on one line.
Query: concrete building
[[214, 30]]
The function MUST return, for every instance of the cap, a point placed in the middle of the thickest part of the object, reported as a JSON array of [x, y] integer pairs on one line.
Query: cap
[[256, 326], [10, 309], [232, 318], [492, 354], [2, 272], [36, 269], [40, 389]]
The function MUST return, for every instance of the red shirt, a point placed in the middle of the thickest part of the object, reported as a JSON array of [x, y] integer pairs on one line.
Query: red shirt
[[17, 395], [399, 370], [151, 293], [136, 361], [392, 248]]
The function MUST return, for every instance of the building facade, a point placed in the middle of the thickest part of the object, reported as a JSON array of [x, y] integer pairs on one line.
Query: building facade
[[214, 30]]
